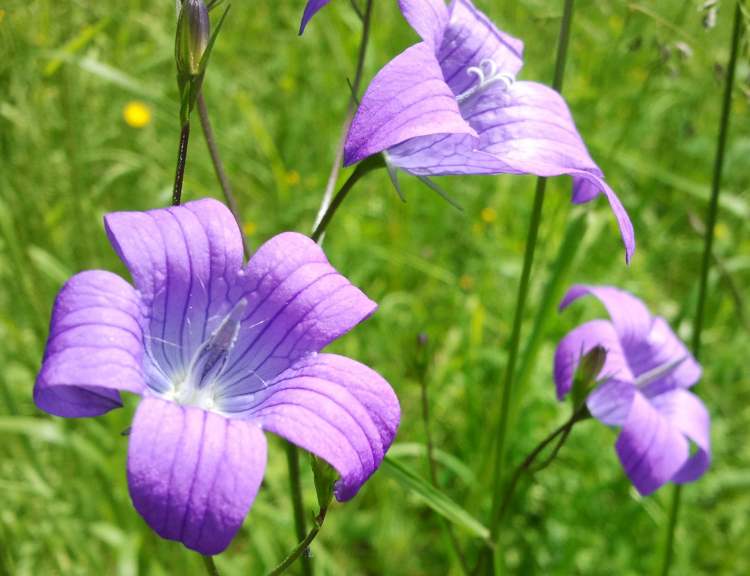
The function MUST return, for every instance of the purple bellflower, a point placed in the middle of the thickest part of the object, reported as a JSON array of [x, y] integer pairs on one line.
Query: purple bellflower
[[451, 105], [644, 390], [219, 353]]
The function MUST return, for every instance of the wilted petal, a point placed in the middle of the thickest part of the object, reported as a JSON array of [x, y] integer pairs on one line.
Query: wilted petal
[[687, 413], [407, 98], [336, 408], [183, 261], [611, 401], [192, 474], [311, 8], [651, 448], [297, 303], [470, 38], [95, 347], [579, 342], [428, 18]]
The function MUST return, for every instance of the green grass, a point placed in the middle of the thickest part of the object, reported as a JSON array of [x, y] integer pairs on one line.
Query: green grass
[[649, 115]]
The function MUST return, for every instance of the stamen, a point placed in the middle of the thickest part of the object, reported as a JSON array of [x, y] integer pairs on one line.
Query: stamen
[[487, 73], [211, 357]]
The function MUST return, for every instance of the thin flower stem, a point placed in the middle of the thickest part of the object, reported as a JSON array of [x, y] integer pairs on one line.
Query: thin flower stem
[[304, 544], [713, 209], [210, 566], [295, 488], [221, 175], [432, 464], [563, 432], [336, 166], [181, 159], [533, 233], [362, 168]]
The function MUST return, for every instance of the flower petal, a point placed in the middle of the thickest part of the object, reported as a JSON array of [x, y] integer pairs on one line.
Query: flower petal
[[95, 347], [183, 261], [580, 341], [470, 38], [311, 8], [630, 317], [429, 19], [192, 474], [611, 401], [687, 413], [649, 343], [297, 303], [336, 408], [529, 129], [651, 449], [407, 98]]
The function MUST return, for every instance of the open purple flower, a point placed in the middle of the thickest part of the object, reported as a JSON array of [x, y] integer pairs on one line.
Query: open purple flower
[[451, 105], [646, 376], [218, 353]]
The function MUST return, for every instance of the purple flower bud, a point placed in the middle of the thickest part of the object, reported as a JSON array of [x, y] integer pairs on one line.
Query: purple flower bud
[[193, 34]]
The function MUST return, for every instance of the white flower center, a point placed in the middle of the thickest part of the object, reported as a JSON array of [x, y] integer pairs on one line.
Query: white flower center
[[487, 74]]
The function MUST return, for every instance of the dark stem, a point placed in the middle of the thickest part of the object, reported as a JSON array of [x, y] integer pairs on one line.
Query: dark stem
[[208, 561], [713, 209], [362, 168], [333, 176], [295, 487], [221, 175], [533, 233], [563, 432], [181, 159], [300, 549]]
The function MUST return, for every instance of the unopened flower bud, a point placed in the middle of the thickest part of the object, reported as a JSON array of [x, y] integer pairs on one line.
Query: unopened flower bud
[[588, 371], [193, 35]]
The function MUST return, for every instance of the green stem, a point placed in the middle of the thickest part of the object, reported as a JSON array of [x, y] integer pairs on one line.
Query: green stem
[[563, 432], [533, 233], [713, 207], [295, 488], [299, 550], [432, 466], [221, 175], [181, 159], [362, 168], [211, 569], [337, 161]]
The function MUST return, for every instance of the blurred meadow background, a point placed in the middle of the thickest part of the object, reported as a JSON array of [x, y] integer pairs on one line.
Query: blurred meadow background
[[89, 124]]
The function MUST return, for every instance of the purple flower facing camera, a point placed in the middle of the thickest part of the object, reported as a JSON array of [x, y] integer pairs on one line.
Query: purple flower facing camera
[[219, 353]]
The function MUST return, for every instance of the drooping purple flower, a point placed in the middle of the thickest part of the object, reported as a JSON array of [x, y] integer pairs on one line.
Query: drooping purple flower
[[451, 105], [219, 353], [644, 389]]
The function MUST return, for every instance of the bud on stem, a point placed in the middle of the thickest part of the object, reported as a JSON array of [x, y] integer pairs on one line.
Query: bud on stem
[[193, 35]]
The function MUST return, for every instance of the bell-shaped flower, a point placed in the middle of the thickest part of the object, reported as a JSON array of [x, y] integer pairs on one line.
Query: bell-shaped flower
[[219, 352], [665, 429], [452, 105]]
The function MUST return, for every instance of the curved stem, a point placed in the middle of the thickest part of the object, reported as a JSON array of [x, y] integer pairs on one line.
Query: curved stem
[[300, 549], [181, 159], [362, 168], [221, 175], [208, 561], [295, 488], [707, 253], [336, 166]]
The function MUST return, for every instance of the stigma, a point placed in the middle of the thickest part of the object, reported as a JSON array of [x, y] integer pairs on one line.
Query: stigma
[[487, 74]]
